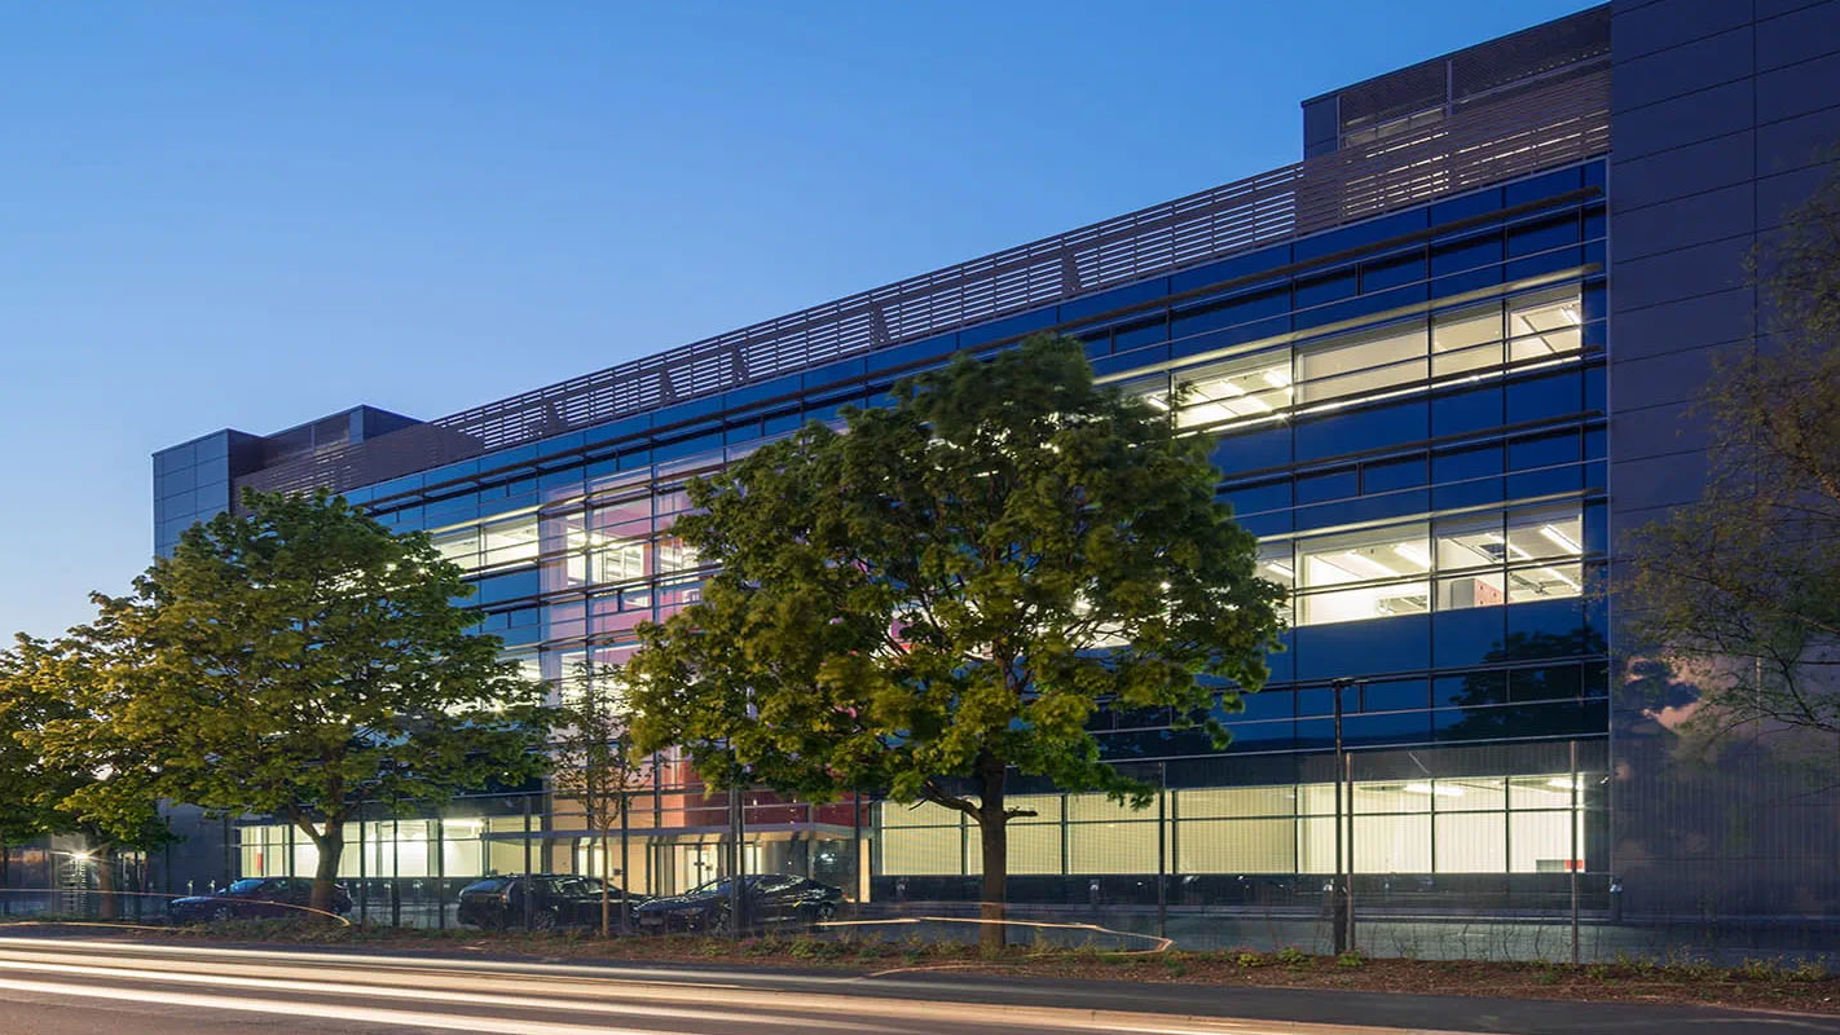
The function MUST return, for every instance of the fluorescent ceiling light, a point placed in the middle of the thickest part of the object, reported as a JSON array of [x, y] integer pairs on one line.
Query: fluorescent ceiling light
[[1442, 790], [1414, 553], [1562, 577], [1283, 569], [1375, 569], [1277, 378], [1565, 542]]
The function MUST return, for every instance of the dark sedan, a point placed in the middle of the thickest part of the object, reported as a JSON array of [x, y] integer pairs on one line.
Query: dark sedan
[[254, 897], [771, 898], [555, 900]]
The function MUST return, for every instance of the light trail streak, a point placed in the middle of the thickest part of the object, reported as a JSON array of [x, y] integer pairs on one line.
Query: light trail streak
[[641, 998], [456, 998], [330, 1011]]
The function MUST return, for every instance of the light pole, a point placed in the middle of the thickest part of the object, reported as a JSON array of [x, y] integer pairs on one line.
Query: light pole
[[1342, 894]]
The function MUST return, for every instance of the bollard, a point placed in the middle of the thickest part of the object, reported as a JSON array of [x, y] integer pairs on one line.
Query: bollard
[[1616, 900]]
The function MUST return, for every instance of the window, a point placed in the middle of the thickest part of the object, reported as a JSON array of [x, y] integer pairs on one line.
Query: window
[[1469, 342], [1386, 569], [1465, 340], [1544, 325], [509, 542], [1361, 364], [1250, 387], [1463, 561], [460, 546]]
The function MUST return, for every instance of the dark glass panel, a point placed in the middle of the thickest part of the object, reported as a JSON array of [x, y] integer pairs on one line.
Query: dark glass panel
[[1144, 332], [1253, 499], [1466, 253], [1253, 450], [1478, 409], [1362, 430], [1230, 269], [1393, 271], [1113, 298], [1467, 206], [1399, 644], [1471, 463], [1556, 394], [1387, 475], [1467, 637], [1327, 288], [1328, 485], [1542, 234], [1543, 450], [1472, 689], [1395, 728], [1546, 683], [1392, 695], [1007, 327], [1541, 187]]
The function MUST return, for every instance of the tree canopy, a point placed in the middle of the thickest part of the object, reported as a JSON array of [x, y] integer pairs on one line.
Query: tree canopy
[[65, 766], [298, 659], [950, 587], [1739, 593]]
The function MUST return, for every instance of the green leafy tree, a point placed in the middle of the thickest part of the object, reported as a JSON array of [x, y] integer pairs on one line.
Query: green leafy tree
[[948, 591], [23, 815], [78, 776], [1739, 593], [298, 659], [593, 765]]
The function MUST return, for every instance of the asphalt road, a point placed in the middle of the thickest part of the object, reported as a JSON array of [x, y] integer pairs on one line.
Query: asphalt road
[[52, 985]]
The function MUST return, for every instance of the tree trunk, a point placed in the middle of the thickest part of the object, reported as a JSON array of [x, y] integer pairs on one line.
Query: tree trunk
[[325, 874], [106, 906], [606, 886], [993, 838]]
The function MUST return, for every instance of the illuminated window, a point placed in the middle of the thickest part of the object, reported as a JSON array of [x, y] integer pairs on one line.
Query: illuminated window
[[1386, 571], [1367, 363], [1246, 388]]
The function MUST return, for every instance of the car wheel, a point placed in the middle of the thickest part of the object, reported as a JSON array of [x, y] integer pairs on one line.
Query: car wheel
[[826, 912], [719, 920], [223, 913], [543, 921]]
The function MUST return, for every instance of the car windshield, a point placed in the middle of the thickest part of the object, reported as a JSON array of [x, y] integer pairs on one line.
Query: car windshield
[[723, 885], [494, 884], [244, 886]]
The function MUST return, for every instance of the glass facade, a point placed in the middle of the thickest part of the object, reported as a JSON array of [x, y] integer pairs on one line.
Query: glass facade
[[1414, 430], [1409, 414]]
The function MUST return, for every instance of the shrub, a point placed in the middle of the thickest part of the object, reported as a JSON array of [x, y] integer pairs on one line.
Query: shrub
[[1291, 956], [1350, 959], [1809, 970]]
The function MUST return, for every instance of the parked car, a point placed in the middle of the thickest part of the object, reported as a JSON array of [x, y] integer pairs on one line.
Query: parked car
[[772, 898], [255, 897], [556, 900]]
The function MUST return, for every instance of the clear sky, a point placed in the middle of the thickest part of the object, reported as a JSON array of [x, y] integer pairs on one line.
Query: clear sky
[[252, 214]]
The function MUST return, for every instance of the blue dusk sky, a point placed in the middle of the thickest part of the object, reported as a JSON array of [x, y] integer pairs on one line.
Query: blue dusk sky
[[251, 214]]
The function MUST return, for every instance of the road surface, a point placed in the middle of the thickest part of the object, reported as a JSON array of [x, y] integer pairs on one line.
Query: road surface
[[52, 985]]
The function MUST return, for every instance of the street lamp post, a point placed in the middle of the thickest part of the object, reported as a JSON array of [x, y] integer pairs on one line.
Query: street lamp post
[[1341, 914]]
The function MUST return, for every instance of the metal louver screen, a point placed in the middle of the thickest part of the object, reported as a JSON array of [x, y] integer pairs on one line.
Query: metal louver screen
[[1561, 121]]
